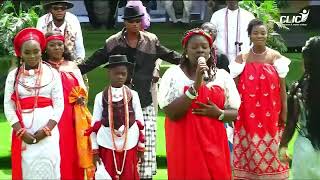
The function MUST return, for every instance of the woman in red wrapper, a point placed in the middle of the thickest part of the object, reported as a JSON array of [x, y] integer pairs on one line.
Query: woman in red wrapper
[[33, 105], [72, 166], [260, 75], [196, 110]]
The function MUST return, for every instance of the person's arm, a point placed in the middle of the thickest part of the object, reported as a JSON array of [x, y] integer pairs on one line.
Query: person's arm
[[140, 122], [96, 116], [178, 107], [283, 96], [292, 120], [166, 54], [232, 104], [156, 71], [98, 58], [80, 51], [236, 68], [10, 109], [281, 65]]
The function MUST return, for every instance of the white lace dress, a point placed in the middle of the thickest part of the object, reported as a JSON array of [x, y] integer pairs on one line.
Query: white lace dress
[[306, 160], [40, 160]]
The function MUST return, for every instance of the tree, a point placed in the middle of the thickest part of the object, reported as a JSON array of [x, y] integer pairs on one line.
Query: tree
[[269, 13], [11, 22]]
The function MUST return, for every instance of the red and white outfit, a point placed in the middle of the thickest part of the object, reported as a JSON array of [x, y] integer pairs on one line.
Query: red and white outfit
[[102, 137], [40, 160], [257, 133], [197, 146], [70, 168]]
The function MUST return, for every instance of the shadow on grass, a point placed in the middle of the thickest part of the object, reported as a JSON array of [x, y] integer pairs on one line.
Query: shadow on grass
[[161, 162], [5, 162]]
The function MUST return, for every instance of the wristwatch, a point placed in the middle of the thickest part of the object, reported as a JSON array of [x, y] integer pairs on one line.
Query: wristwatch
[[221, 117]]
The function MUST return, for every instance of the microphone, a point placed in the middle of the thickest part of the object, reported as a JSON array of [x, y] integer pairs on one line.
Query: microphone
[[205, 73]]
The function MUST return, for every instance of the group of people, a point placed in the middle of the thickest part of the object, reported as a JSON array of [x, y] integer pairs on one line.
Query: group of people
[[220, 79]]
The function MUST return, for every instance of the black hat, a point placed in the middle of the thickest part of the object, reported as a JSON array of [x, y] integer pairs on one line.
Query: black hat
[[49, 3], [131, 12], [115, 60]]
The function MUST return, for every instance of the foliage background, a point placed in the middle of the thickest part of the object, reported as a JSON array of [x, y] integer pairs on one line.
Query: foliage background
[[269, 13]]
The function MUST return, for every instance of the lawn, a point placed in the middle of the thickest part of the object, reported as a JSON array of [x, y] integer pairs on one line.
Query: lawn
[[169, 36]]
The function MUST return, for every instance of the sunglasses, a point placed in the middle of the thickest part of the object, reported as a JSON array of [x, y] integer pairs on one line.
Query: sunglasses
[[134, 21], [57, 8]]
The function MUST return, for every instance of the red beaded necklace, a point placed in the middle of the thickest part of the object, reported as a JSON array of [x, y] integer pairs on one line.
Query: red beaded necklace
[[56, 64], [36, 91], [125, 134]]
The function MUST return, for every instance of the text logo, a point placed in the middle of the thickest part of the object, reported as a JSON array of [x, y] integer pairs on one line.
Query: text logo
[[295, 20]]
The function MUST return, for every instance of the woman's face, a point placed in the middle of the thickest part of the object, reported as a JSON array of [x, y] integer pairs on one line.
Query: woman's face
[[197, 46], [31, 53], [55, 49], [259, 35]]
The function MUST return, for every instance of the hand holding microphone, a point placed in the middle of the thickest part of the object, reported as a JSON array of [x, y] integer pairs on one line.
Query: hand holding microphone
[[203, 68]]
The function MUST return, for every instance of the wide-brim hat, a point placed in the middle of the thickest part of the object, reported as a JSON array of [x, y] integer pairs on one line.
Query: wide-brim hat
[[26, 35], [131, 12], [116, 60], [47, 4]]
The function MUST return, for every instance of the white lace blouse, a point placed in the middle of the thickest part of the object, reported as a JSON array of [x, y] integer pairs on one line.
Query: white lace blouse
[[52, 90], [174, 80]]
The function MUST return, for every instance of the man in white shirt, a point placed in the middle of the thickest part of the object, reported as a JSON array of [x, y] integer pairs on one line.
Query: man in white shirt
[[187, 5], [232, 23], [58, 19]]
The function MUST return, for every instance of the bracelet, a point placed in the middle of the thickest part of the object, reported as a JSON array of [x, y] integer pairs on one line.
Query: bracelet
[[47, 131], [194, 90], [21, 132], [95, 151], [189, 95]]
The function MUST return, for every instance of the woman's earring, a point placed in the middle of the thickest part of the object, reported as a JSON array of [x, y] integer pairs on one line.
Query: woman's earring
[[209, 56], [187, 56]]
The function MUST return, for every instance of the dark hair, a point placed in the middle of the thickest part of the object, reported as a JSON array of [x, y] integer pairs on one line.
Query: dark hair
[[18, 61], [311, 54], [253, 23], [185, 61], [66, 54]]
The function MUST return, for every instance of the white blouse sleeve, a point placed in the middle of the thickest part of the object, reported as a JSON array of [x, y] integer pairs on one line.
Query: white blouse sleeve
[[78, 75], [96, 116], [8, 104], [137, 107], [282, 66], [168, 89], [138, 112], [57, 97], [233, 99], [236, 68]]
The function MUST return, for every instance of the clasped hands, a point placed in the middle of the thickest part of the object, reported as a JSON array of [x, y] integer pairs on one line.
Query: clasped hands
[[29, 138], [209, 109]]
